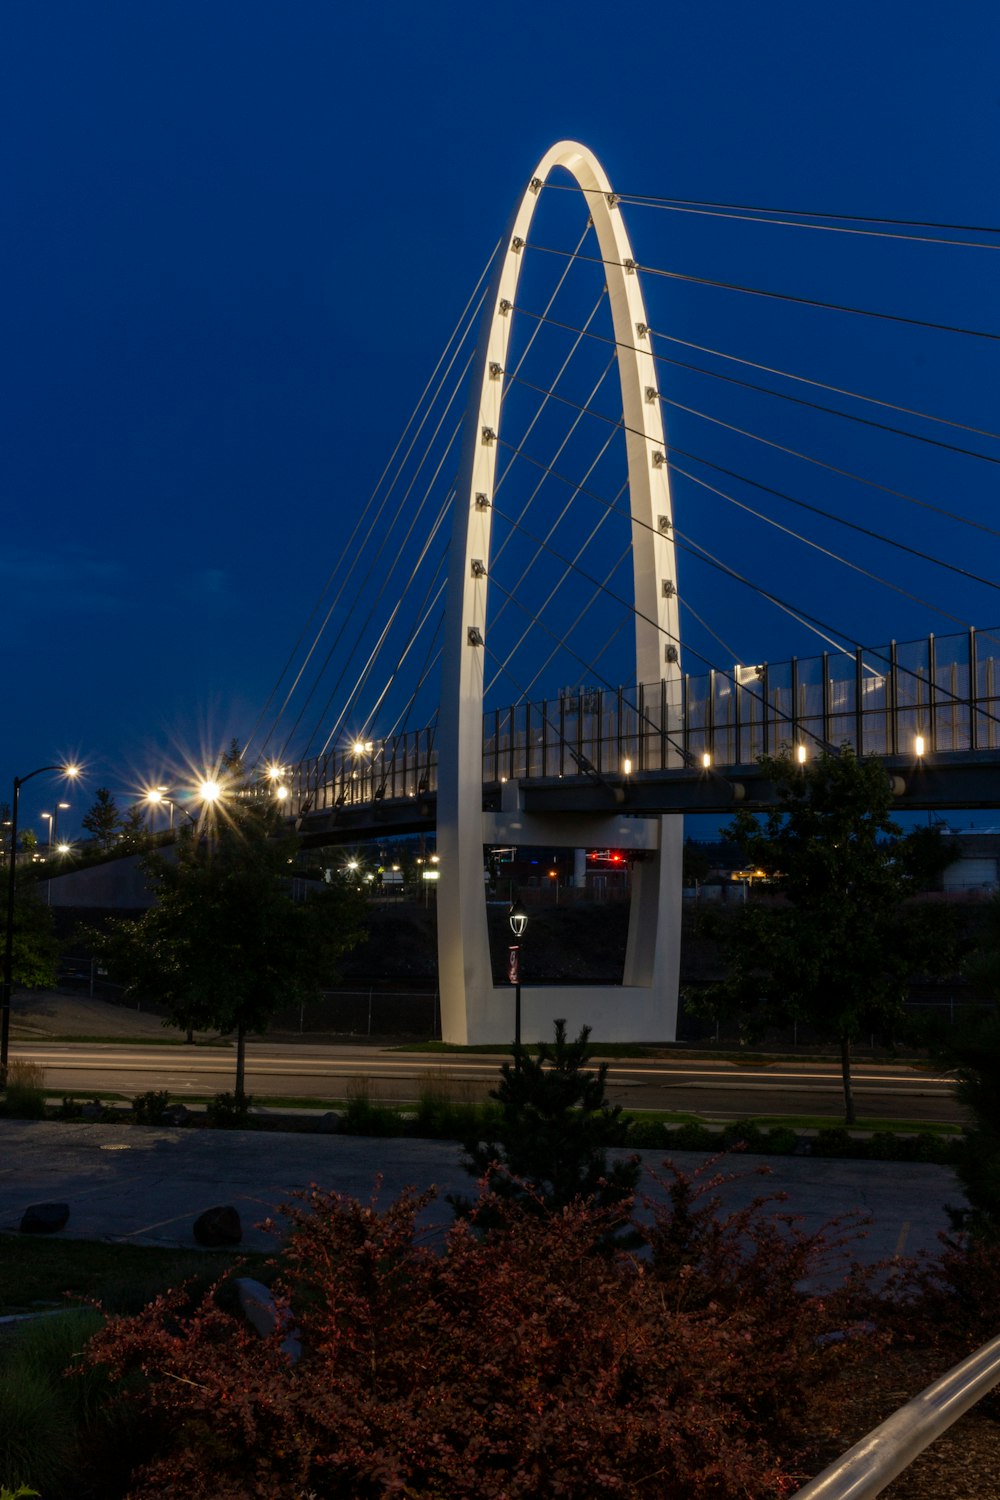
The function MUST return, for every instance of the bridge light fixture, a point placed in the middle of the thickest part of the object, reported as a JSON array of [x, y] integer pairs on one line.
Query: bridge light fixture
[[919, 746], [281, 793], [706, 760], [800, 754], [626, 767]]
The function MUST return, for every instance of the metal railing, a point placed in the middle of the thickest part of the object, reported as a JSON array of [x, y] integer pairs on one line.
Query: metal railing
[[865, 1470], [946, 690]]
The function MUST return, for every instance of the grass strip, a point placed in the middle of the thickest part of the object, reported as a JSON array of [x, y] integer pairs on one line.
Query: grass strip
[[38, 1273]]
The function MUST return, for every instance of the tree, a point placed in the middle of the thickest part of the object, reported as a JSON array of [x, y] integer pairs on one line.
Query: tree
[[35, 949], [970, 1049], [133, 834], [554, 1131], [836, 949], [696, 863], [103, 820], [225, 945]]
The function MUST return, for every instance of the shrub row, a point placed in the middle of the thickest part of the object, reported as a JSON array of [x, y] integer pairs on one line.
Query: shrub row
[[435, 1116], [514, 1363], [780, 1140]]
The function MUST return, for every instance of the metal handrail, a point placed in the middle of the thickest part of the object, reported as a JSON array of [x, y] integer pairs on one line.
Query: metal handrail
[[865, 1470]]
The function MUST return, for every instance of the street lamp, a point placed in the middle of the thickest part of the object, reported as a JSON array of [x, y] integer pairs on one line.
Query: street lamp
[[8, 954], [518, 918], [156, 797], [53, 822]]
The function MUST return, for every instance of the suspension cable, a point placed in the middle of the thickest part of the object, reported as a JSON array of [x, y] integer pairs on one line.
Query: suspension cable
[[756, 291], [795, 452], [831, 411], [651, 200], [348, 549], [620, 423], [821, 385]]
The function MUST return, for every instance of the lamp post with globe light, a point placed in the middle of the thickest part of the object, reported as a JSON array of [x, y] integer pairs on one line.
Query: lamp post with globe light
[[518, 918], [8, 956]]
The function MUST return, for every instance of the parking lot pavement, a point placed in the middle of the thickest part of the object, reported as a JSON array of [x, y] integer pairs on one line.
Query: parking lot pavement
[[148, 1185]]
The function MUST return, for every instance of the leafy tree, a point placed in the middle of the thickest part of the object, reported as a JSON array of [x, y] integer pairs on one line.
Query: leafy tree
[[225, 946], [36, 949], [554, 1131], [837, 948], [29, 840], [970, 1049], [696, 863], [103, 820], [134, 834]]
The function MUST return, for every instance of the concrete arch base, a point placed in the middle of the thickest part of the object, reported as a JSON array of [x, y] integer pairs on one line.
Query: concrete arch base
[[475, 1011]]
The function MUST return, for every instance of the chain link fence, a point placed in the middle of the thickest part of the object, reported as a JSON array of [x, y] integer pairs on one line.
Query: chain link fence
[[364, 1012]]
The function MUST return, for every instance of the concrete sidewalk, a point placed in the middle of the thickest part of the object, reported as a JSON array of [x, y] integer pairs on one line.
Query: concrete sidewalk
[[147, 1185]]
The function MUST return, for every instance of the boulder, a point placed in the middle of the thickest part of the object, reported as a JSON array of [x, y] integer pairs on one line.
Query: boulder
[[218, 1226], [331, 1123], [44, 1218], [261, 1312]]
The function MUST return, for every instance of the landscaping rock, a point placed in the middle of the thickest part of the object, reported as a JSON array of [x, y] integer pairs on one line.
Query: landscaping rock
[[218, 1226], [44, 1218], [176, 1114], [331, 1123], [261, 1312]]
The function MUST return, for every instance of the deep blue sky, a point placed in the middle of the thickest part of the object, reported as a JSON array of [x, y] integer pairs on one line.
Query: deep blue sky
[[236, 235]]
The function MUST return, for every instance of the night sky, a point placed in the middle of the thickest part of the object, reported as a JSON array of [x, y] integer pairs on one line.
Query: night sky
[[237, 234]]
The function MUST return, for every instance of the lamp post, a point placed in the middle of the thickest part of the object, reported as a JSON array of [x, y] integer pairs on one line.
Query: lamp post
[[157, 797], [53, 822], [8, 954], [518, 918]]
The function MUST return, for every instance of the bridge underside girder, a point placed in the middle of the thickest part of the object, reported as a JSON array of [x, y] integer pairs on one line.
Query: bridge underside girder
[[951, 782]]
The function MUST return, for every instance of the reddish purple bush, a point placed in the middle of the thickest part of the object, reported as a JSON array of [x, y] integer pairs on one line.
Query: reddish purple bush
[[516, 1363]]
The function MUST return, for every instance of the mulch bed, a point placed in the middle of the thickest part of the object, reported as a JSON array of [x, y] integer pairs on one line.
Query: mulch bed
[[964, 1462]]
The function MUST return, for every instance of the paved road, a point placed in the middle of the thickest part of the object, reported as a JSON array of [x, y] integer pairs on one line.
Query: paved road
[[714, 1088], [147, 1185], [719, 1089]]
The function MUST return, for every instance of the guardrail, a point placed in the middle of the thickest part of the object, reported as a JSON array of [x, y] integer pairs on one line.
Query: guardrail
[[943, 692], [865, 1470]]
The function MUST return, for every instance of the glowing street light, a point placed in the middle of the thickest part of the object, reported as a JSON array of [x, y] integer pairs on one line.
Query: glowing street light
[[53, 822], [70, 771], [518, 918], [156, 797]]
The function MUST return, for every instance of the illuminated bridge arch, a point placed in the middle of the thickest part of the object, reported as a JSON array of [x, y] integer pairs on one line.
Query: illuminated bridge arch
[[644, 1006]]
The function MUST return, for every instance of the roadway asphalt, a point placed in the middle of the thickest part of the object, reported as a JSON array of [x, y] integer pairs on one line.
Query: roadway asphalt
[[147, 1185]]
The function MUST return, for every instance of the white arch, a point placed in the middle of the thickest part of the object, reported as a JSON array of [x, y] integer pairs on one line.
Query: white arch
[[645, 1005]]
